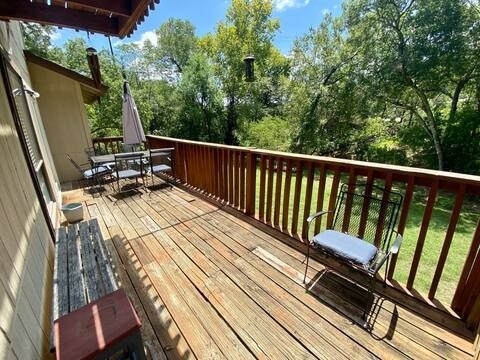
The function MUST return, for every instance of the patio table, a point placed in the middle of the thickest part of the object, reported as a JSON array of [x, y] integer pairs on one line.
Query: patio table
[[98, 160]]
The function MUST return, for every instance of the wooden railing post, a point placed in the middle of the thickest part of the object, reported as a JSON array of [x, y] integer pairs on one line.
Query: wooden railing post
[[251, 180]]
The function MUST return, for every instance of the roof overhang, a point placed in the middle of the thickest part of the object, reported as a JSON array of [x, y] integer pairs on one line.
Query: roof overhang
[[110, 17], [90, 92]]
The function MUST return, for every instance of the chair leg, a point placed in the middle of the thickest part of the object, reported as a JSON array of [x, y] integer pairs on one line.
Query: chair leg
[[386, 272], [306, 266], [371, 291]]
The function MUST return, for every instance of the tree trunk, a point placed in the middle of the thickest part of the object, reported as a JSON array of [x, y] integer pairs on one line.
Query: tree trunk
[[432, 126], [230, 138], [430, 120], [477, 93]]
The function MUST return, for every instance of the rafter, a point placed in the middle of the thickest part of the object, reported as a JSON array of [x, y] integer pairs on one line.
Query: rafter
[[139, 7], [25, 10], [116, 7]]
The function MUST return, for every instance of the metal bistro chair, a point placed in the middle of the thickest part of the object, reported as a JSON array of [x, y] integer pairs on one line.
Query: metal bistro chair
[[361, 230], [90, 173], [160, 162], [129, 166]]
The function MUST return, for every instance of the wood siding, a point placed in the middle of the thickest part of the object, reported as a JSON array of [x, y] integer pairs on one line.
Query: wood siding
[[26, 256], [64, 118]]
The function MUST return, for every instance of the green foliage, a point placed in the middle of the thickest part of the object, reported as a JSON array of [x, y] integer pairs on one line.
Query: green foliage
[[416, 58], [38, 40], [248, 29], [388, 81], [462, 139], [176, 42], [200, 116], [271, 133]]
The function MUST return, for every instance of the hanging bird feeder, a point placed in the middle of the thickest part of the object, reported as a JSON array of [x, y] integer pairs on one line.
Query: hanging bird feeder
[[249, 67]]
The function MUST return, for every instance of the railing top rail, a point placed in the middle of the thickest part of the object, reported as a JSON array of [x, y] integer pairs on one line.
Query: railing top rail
[[403, 171], [395, 169], [214, 145], [106, 138]]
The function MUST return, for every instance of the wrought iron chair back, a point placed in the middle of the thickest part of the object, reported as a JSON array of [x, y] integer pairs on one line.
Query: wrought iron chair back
[[368, 214], [361, 230]]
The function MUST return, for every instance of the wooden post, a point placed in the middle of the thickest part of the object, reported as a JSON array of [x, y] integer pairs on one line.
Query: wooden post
[[251, 177]]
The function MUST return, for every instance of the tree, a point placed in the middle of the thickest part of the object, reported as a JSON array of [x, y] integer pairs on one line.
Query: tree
[[176, 42], [326, 103], [248, 30], [74, 56], [38, 40], [200, 117], [417, 57]]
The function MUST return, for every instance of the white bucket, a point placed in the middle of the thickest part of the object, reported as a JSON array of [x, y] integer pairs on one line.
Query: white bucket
[[73, 212]]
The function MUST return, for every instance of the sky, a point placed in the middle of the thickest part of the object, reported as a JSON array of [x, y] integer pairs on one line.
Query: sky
[[296, 17]]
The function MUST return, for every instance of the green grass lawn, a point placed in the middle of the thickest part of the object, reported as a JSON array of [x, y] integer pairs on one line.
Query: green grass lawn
[[433, 242]]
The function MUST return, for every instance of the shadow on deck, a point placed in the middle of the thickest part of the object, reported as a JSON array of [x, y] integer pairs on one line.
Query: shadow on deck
[[207, 283]]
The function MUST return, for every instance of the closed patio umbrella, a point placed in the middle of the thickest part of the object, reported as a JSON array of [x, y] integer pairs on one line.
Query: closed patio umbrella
[[132, 126]]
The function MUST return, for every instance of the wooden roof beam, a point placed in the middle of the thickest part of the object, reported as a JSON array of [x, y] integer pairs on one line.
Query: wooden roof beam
[[24, 10], [116, 7], [138, 8]]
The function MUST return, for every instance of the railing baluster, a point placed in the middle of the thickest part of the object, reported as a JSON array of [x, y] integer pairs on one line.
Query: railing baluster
[[196, 166], [261, 207], [271, 165], [352, 180], [278, 191], [296, 196], [333, 196], [204, 168], [286, 194], [308, 198], [211, 170], [225, 174], [459, 296], [366, 204], [320, 196], [251, 177], [230, 176], [242, 180], [236, 169], [383, 209], [448, 240], [407, 200], [423, 232]]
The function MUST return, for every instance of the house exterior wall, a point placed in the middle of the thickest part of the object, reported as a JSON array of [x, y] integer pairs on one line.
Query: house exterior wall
[[63, 113], [26, 247]]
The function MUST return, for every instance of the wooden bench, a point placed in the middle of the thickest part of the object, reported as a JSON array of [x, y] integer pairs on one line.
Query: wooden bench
[[82, 272]]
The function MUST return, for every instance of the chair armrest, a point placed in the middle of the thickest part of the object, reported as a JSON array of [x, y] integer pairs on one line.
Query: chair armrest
[[311, 218], [396, 244], [314, 216], [393, 250]]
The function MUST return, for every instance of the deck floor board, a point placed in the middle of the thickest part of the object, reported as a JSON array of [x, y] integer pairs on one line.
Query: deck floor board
[[210, 283]]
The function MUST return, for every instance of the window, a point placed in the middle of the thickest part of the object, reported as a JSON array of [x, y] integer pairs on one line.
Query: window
[[25, 128], [31, 141]]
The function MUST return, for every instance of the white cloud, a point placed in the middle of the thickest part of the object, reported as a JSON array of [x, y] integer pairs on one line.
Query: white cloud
[[326, 12], [55, 36], [147, 35], [281, 5]]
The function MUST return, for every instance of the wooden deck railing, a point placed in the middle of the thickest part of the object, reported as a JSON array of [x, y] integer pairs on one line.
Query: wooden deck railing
[[277, 189], [107, 145]]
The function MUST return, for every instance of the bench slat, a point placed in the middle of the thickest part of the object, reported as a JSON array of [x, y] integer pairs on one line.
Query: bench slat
[[90, 270], [103, 258], [75, 278], [60, 276]]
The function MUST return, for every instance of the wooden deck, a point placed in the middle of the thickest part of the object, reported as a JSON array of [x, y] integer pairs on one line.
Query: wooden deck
[[209, 284]]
